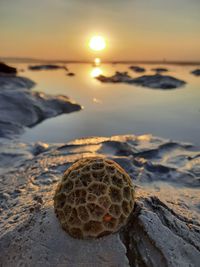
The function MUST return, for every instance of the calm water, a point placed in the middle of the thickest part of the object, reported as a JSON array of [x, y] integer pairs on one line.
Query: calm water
[[112, 109]]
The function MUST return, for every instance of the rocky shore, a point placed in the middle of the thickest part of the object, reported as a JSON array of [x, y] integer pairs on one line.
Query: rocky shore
[[20, 107], [164, 226], [163, 230]]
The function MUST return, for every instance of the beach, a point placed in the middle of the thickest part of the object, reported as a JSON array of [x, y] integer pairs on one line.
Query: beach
[[152, 133]]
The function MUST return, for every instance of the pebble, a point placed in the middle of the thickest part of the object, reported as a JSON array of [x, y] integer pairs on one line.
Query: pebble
[[47, 181], [18, 191], [9, 214], [6, 196], [38, 199], [16, 217]]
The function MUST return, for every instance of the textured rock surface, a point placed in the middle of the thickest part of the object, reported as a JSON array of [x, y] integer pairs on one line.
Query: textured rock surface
[[164, 229], [20, 107], [15, 83], [156, 81]]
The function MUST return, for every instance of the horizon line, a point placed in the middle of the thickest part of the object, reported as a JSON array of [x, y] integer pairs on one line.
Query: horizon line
[[29, 59]]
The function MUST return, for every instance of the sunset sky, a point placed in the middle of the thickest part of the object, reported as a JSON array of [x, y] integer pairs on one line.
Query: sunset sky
[[134, 29]]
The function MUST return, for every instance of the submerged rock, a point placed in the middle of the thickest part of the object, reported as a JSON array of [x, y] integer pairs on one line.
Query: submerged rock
[[163, 230], [196, 72], [47, 67], [118, 77], [159, 70], [70, 74], [20, 107], [156, 81], [4, 68], [137, 69]]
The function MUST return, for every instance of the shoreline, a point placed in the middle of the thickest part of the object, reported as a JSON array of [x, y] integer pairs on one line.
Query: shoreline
[[65, 61]]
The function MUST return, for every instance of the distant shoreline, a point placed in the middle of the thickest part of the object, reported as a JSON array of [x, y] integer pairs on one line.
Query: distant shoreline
[[156, 62]]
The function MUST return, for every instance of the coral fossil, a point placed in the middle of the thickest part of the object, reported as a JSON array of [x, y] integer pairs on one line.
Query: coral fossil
[[94, 198]]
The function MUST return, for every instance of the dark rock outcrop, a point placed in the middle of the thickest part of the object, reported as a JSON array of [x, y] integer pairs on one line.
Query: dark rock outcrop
[[137, 68], [70, 74], [196, 72], [4, 68], [47, 67], [20, 107], [163, 229], [156, 81], [159, 70], [118, 77]]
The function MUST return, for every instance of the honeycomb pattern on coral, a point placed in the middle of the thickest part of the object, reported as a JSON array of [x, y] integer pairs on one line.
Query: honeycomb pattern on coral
[[94, 198]]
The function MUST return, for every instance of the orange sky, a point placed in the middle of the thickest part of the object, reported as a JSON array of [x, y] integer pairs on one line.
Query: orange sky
[[134, 29]]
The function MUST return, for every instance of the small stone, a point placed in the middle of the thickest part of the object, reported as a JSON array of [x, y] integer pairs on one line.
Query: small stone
[[38, 199], [18, 191], [16, 217], [31, 209], [6, 196]]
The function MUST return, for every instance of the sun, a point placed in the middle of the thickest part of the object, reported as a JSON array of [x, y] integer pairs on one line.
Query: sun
[[97, 43]]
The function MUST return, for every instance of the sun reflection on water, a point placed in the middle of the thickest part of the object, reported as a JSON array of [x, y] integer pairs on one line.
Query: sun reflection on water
[[97, 61], [96, 72]]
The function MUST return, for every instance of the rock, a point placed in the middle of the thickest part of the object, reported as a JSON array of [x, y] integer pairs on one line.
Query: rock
[[158, 236], [196, 72], [70, 74], [16, 217], [4, 68], [5, 196], [156, 81], [159, 70], [163, 229], [10, 129], [39, 148], [137, 69], [29, 108], [55, 248], [15, 82], [12, 154], [118, 77], [20, 107], [47, 67]]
